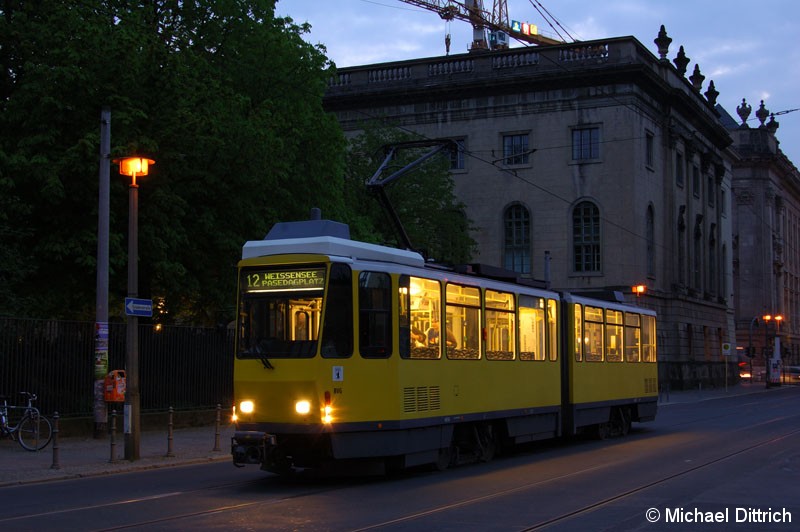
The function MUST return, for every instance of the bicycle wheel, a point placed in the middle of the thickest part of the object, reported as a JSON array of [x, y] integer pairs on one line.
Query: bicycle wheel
[[35, 432]]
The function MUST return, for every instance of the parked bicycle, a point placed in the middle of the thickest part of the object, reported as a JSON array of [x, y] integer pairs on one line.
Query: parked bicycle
[[31, 429]]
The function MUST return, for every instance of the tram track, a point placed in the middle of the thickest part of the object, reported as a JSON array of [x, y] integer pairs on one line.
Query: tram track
[[266, 492], [479, 500], [215, 510], [604, 502], [578, 512]]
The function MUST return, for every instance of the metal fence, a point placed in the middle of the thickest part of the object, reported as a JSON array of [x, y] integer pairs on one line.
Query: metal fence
[[181, 367]]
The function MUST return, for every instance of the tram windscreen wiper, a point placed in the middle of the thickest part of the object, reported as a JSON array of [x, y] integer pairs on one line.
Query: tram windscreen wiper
[[267, 364]]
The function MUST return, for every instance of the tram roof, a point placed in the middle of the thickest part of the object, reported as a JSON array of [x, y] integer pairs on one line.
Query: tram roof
[[332, 246]]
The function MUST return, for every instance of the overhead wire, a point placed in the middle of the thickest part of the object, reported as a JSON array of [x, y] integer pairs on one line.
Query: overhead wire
[[548, 17]]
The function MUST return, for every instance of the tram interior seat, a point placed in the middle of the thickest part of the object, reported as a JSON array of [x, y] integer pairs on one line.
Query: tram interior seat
[[500, 355], [463, 354], [429, 353]]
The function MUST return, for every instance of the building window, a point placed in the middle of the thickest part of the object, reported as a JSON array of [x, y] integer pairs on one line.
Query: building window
[[679, 169], [649, 147], [712, 268], [457, 156], [698, 260], [586, 143], [651, 242], [517, 248], [681, 249], [711, 192], [515, 149], [586, 237], [723, 281], [696, 181]]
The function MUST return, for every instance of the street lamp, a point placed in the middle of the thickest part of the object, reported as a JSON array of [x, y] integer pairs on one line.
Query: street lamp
[[134, 167]]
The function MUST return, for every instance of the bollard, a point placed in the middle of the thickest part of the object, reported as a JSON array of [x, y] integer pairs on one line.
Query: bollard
[[56, 464], [169, 435], [113, 436], [216, 430]]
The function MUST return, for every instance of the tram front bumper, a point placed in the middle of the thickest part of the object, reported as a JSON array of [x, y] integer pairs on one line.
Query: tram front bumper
[[251, 447]]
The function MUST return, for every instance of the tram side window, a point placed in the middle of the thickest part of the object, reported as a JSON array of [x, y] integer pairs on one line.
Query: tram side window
[[337, 333], [531, 328], [648, 338], [500, 326], [593, 324], [613, 335], [374, 314], [633, 338], [552, 323], [578, 333], [462, 329], [420, 304]]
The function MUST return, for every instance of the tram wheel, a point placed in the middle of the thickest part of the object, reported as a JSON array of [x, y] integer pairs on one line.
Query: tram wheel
[[603, 431], [445, 458], [624, 420], [487, 443]]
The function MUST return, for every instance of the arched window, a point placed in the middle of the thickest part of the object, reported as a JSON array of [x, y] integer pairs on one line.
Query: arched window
[[586, 237], [517, 239], [651, 242]]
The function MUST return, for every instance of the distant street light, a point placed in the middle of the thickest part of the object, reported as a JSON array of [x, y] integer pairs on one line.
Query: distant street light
[[772, 358], [134, 167]]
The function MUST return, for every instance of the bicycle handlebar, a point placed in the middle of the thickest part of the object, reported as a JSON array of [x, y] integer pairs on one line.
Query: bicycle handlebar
[[31, 396]]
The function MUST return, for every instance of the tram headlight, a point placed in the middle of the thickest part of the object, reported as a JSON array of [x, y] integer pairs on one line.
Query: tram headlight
[[247, 407], [302, 407]]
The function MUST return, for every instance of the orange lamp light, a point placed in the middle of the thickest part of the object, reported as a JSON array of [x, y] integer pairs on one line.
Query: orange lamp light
[[134, 166]]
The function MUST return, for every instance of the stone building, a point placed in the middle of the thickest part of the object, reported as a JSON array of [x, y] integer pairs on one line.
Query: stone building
[[766, 240], [601, 155]]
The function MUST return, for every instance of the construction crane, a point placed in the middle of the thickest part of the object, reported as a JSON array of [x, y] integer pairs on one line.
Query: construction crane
[[495, 23]]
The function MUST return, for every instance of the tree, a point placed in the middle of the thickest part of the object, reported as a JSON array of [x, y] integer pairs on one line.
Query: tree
[[433, 217], [224, 96]]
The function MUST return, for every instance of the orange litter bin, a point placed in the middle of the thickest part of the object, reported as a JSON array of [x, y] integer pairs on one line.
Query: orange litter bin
[[114, 390]]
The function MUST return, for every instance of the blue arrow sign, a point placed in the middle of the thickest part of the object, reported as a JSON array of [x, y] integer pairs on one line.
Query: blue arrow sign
[[138, 307]]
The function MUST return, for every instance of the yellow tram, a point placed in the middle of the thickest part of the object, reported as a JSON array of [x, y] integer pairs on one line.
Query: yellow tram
[[353, 351]]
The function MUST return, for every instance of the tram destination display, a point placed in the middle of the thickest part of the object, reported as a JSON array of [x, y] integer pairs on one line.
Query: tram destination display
[[282, 280]]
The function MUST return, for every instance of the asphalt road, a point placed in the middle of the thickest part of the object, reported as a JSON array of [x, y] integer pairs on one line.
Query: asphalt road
[[731, 463]]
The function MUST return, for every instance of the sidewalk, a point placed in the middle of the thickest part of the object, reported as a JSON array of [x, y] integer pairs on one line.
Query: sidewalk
[[704, 394], [85, 456]]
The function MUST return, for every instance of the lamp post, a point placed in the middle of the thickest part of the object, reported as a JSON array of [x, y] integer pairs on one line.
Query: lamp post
[[750, 349], [101, 321], [134, 167], [772, 358]]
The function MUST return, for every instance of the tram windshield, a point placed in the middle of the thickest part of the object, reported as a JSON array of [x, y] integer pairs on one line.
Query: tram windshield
[[280, 312]]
